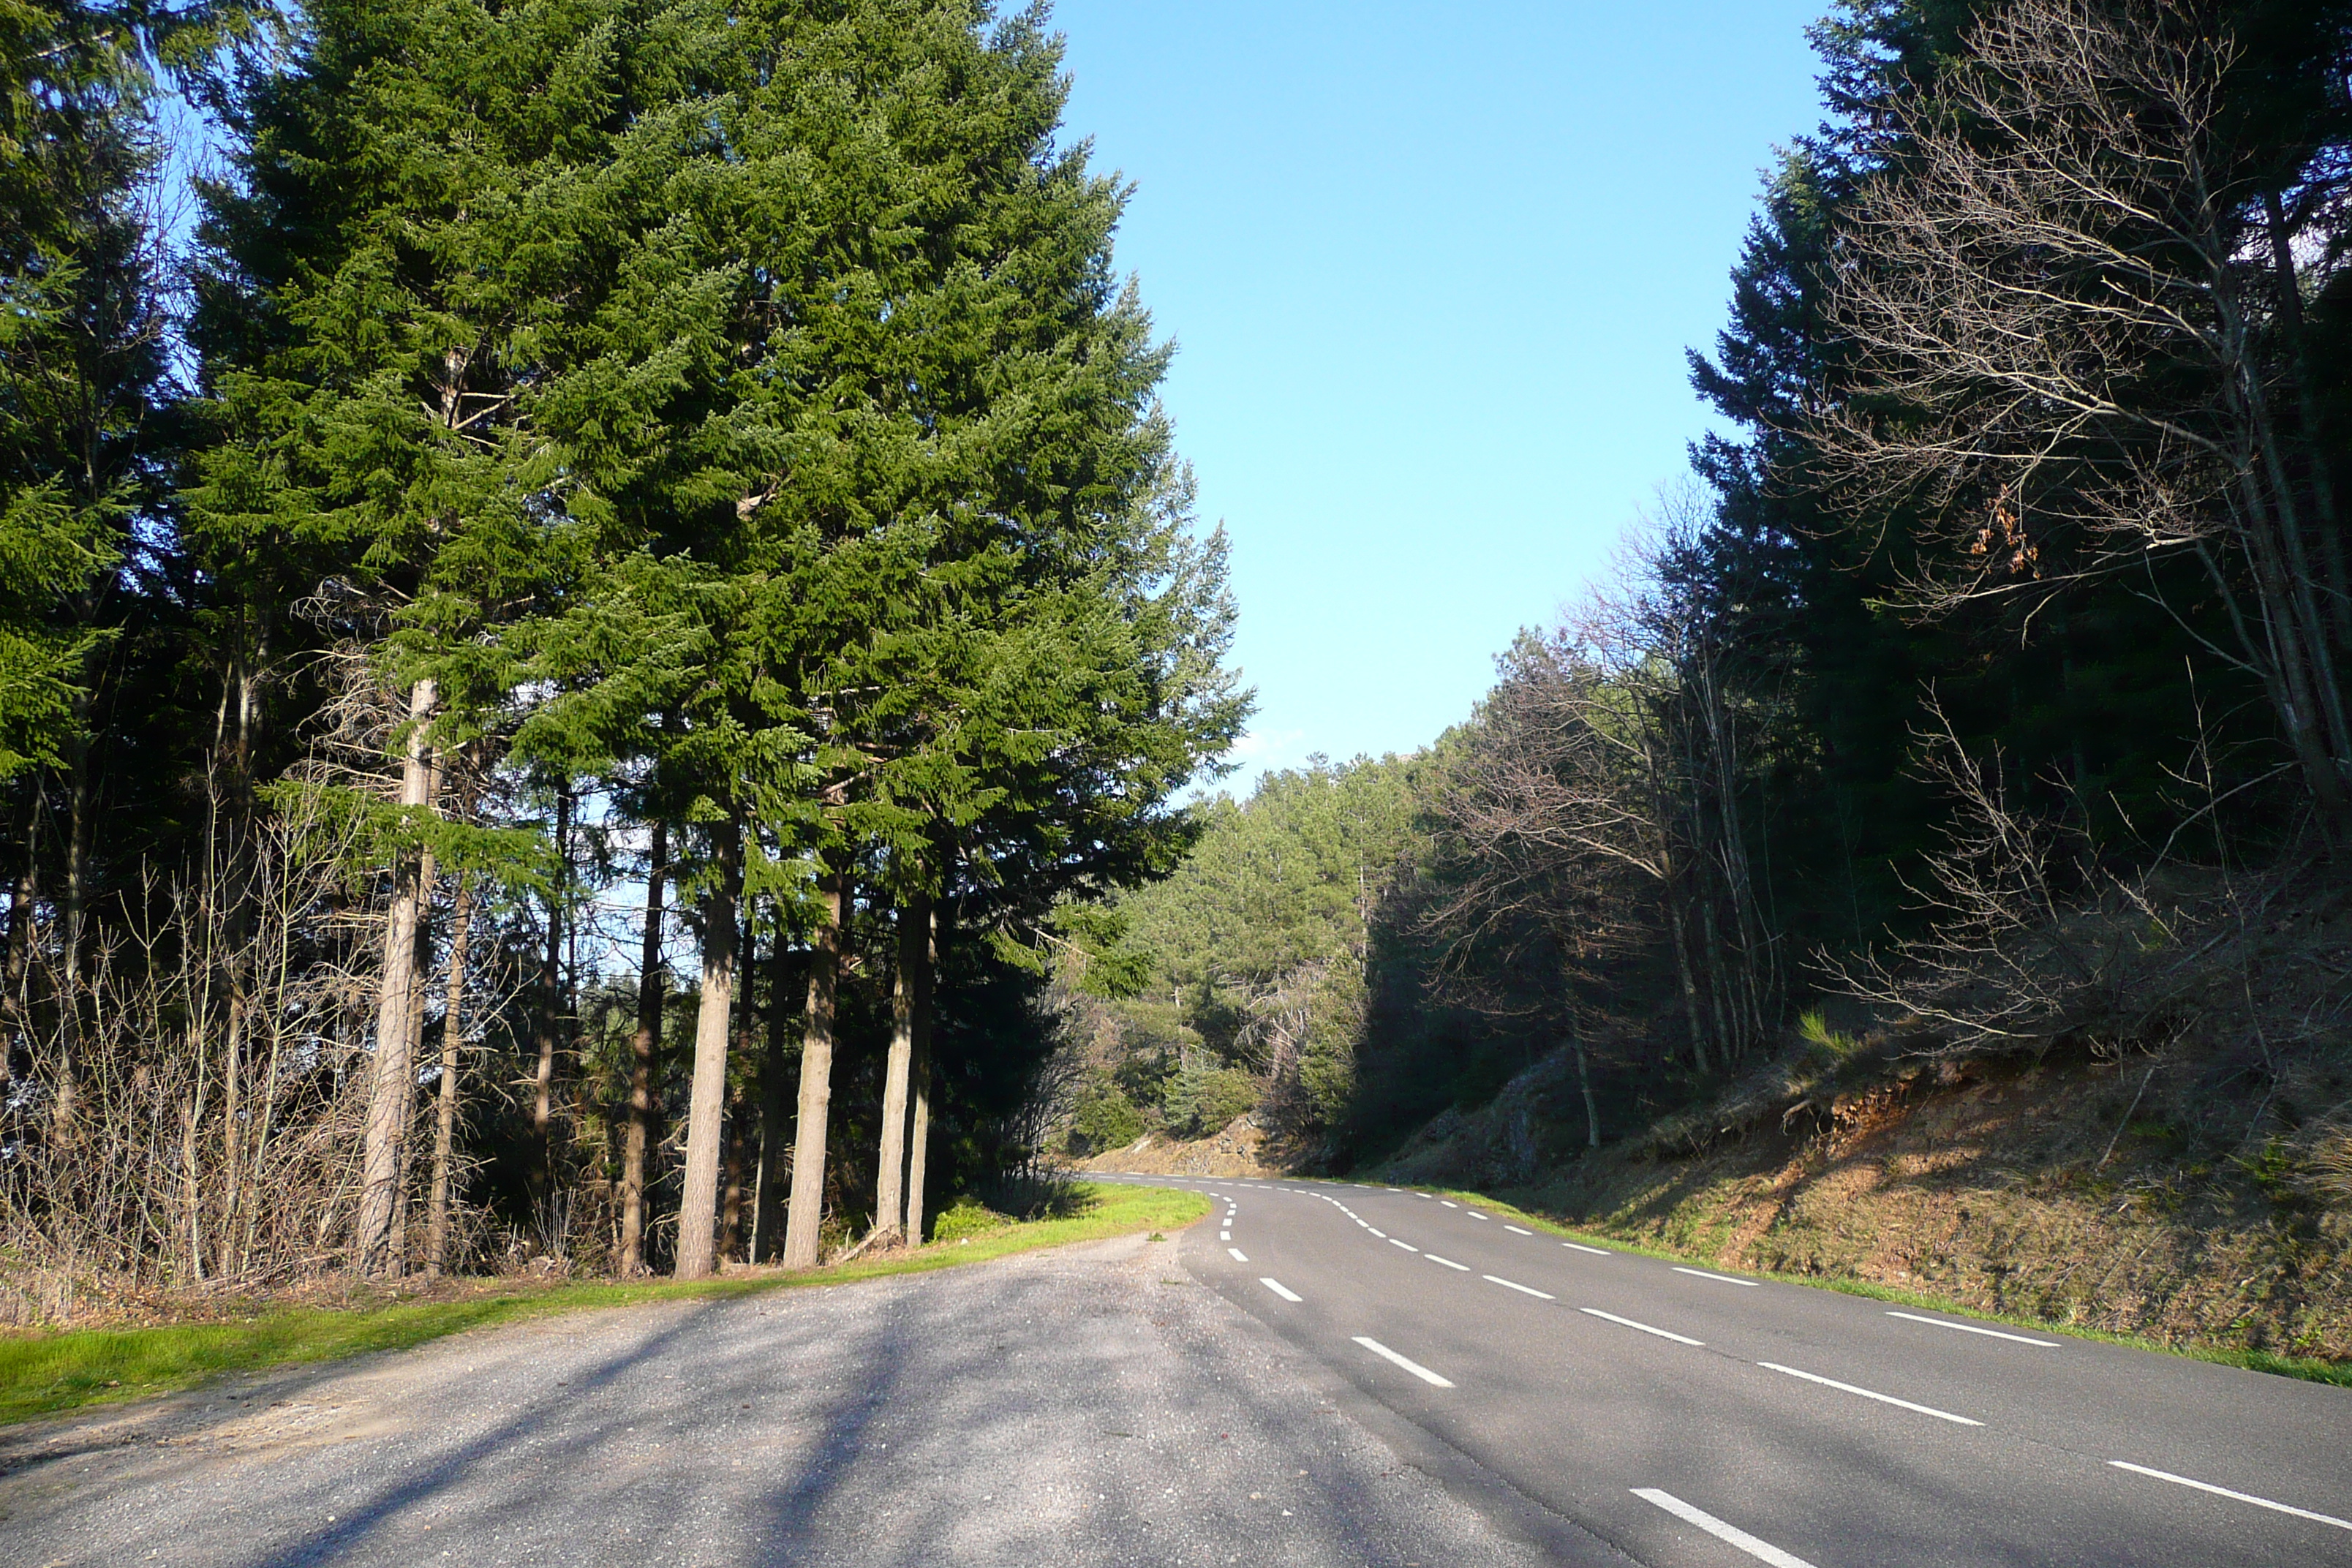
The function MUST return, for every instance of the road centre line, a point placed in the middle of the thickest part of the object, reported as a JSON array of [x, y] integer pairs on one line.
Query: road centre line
[[1762, 1551], [1280, 1289], [1515, 1231], [1237, 1251], [1448, 1262], [2240, 1497], [1413, 1367], [1580, 1247], [1722, 1278], [1972, 1329], [1628, 1322], [1869, 1393], [1513, 1285]]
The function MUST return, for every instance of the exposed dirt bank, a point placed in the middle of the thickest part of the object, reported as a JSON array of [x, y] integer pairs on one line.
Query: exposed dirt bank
[[2109, 1194]]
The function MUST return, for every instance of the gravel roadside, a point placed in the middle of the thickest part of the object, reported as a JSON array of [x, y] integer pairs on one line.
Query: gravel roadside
[[1085, 1405]]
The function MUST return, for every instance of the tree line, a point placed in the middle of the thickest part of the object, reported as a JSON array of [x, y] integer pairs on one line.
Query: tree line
[[559, 479], [1995, 641]]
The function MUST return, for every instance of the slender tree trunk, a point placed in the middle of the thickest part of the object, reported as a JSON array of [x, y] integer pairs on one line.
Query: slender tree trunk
[[549, 1024], [914, 940], [1680, 939], [395, 1079], [643, 1048], [807, 1212], [1591, 1106], [445, 1108], [2315, 441], [919, 1138], [396, 1252], [733, 1169], [768, 1204], [707, 1105]]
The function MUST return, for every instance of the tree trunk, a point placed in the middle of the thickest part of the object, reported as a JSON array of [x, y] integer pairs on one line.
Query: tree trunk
[[914, 940], [807, 1212], [2315, 439], [396, 1249], [395, 1079], [698, 1212], [1680, 939], [918, 1137], [768, 1202], [643, 1049], [1591, 1106], [445, 1109], [550, 1010]]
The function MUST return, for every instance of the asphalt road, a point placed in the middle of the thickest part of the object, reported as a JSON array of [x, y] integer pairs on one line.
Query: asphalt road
[[1691, 1419], [1092, 1405]]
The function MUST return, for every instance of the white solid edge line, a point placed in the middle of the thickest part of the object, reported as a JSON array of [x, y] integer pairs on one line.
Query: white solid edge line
[[1596, 1251], [1662, 1333], [1237, 1251], [1278, 1287], [1515, 1231], [1762, 1551], [1406, 1245], [1447, 1261], [1514, 1285], [1972, 1329], [1413, 1367], [2240, 1497], [1869, 1393], [1703, 1274]]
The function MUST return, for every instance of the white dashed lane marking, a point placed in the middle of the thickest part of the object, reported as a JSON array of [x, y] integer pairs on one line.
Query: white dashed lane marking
[[1515, 1231], [2238, 1497], [1515, 1285], [1973, 1328], [1413, 1367], [1645, 1328], [1718, 1279], [1238, 1255], [1762, 1551], [1280, 1289], [1448, 1262], [1869, 1393], [1580, 1247]]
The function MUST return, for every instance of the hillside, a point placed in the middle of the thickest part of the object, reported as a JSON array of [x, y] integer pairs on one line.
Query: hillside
[[2073, 1191]]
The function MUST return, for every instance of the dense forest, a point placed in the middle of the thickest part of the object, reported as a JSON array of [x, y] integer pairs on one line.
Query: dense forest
[[1978, 693], [572, 622]]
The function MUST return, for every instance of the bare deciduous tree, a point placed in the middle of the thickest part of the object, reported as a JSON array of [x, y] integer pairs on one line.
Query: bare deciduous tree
[[2070, 301]]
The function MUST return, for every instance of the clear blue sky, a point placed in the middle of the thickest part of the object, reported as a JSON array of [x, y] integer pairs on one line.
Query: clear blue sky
[[1431, 271]]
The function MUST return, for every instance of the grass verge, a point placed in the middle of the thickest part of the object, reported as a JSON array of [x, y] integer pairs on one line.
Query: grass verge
[[43, 1373], [2308, 1368]]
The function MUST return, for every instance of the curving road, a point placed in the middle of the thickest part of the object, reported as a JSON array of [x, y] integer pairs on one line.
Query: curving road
[[1690, 1418]]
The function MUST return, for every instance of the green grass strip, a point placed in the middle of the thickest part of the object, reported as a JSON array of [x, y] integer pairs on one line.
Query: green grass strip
[[43, 1373], [2311, 1369]]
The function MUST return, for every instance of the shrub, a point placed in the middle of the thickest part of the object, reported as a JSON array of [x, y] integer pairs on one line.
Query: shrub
[[966, 1217], [1104, 1119]]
